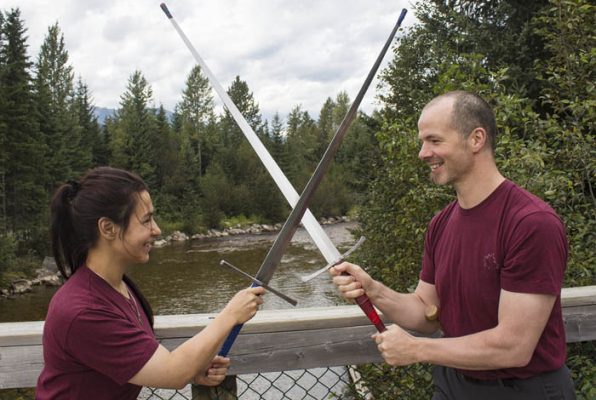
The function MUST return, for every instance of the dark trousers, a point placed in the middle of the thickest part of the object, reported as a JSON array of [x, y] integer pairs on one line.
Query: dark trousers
[[452, 385]]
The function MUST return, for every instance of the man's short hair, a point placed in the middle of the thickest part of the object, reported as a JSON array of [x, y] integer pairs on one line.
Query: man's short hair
[[471, 111]]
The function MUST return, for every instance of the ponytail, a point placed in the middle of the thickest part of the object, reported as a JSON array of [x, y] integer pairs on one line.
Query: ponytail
[[67, 248]]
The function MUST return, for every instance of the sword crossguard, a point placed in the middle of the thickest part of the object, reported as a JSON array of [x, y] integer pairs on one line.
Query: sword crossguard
[[257, 282], [334, 263]]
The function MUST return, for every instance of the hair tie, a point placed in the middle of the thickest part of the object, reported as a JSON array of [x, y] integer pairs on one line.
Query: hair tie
[[73, 189]]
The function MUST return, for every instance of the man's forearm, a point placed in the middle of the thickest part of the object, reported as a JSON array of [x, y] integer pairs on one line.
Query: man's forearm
[[484, 350], [405, 309]]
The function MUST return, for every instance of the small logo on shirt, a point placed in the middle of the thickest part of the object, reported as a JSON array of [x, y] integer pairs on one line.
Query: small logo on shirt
[[490, 262]]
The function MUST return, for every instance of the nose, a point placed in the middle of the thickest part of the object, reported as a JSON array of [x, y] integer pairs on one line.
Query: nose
[[155, 228], [424, 152]]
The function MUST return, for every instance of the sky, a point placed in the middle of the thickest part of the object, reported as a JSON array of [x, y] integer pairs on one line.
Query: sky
[[290, 52]]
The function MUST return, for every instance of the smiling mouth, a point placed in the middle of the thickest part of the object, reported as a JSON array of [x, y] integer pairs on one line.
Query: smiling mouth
[[434, 166]]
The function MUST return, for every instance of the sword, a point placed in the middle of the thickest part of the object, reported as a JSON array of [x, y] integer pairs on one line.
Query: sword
[[318, 235], [257, 282], [310, 223], [284, 237]]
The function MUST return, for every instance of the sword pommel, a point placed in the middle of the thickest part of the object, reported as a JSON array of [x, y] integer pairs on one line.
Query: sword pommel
[[165, 10]]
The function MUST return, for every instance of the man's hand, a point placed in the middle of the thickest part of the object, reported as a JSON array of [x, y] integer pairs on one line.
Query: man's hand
[[351, 280], [215, 374], [397, 347]]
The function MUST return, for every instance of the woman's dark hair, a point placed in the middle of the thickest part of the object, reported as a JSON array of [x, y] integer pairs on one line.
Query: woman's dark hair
[[77, 207]]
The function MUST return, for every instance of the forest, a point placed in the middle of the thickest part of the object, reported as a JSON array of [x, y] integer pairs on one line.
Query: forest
[[201, 171], [533, 61]]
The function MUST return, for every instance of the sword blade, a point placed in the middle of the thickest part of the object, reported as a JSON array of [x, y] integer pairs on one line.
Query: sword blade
[[312, 226], [289, 228]]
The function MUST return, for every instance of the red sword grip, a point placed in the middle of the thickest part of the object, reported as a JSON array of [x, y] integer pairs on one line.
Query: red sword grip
[[366, 305]]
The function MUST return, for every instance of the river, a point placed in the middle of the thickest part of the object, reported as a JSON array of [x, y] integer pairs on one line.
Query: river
[[186, 278]]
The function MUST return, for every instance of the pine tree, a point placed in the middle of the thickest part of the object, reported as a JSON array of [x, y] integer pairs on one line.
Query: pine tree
[[326, 126], [278, 142], [133, 133], [25, 197], [244, 100], [58, 121], [3, 132], [92, 137], [300, 146], [197, 112]]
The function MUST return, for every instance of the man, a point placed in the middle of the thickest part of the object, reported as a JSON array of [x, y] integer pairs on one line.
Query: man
[[493, 265]]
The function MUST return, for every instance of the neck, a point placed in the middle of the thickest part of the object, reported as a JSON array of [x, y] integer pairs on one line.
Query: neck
[[107, 268], [478, 185]]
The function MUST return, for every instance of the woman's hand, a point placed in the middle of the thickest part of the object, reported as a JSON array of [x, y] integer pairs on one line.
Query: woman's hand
[[244, 305], [215, 374]]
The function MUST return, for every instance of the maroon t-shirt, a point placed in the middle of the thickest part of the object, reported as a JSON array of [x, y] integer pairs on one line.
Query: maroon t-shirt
[[512, 241], [93, 342]]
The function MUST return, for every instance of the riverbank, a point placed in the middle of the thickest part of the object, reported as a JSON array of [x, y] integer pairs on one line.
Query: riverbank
[[48, 275]]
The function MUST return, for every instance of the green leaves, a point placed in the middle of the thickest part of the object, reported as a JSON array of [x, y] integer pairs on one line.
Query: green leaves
[[534, 62]]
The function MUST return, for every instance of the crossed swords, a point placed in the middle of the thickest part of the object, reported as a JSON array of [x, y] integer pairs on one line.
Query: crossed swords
[[300, 203]]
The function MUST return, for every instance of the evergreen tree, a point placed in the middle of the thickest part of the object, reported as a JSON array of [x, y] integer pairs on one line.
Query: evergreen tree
[[495, 34], [197, 113], [249, 180], [3, 132], [301, 147], [244, 100], [92, 137], [133, 134], [326, 126], [57, 115], [24, 195], [277, 142]]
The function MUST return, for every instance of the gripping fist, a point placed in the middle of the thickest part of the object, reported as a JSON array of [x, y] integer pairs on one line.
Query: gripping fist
[[351, 280]]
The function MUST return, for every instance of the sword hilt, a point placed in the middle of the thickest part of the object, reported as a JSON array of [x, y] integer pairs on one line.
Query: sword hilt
[[366, 305], [227, 345]]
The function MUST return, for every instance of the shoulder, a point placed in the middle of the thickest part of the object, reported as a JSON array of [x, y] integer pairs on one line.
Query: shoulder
[[76, 297], [525, 208], [442, 216]]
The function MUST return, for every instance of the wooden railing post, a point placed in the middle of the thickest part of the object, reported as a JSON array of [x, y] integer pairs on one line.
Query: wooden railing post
[[226, 391]]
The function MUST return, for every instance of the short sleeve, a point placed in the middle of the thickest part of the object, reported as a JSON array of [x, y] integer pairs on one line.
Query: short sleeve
[[110, 344], [427, 273], [536, 256]]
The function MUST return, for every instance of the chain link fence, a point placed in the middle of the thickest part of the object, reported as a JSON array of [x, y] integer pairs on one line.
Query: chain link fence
[[309, 384]]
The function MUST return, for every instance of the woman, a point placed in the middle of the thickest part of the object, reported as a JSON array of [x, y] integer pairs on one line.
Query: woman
[[98, 339]]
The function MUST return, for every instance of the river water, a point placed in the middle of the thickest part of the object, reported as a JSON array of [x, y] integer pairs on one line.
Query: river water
[[186, 278]]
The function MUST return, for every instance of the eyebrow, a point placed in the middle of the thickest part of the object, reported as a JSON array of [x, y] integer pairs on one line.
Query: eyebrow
[[149, 213], [429, 136]]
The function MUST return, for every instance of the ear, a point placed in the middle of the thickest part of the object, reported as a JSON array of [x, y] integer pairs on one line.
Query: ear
[[477, 139], [107, 228]]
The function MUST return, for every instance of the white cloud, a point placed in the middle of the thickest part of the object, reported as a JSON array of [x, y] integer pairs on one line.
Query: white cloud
[[289, 52]]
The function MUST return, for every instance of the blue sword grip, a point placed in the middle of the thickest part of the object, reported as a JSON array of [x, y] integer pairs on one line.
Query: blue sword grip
[[227, 346], [225, 349]]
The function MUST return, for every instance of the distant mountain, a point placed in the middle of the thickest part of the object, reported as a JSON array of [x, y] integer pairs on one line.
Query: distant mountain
[[102, 113]]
